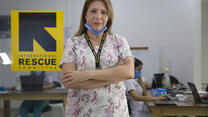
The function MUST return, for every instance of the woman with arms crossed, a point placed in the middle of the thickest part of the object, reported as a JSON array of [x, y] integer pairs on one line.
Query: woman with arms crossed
[[95, 63]]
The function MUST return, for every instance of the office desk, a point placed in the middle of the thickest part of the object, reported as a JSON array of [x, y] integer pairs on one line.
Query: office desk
[[182, 108], [49, 94]]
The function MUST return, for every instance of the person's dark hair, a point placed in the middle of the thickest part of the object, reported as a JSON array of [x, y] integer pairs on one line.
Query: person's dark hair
[[137, 62]]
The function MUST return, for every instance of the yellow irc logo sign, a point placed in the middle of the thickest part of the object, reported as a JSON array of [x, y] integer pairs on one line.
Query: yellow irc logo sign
[[37, 40]]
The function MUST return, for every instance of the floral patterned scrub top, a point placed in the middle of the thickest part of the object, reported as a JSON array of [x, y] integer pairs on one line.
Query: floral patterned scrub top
[[107, 101]]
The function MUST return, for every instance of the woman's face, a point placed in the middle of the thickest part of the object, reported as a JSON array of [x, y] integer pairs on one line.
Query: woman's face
[[97, 15]]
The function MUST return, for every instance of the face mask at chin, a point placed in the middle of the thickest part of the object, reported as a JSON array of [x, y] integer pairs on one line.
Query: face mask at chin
[[96, 32]]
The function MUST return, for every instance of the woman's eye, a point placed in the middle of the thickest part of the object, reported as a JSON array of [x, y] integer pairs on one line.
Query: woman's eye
[[93, 11], [104, 12]]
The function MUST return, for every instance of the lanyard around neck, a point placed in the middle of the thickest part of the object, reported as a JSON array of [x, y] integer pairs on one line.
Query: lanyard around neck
[[96, 55]]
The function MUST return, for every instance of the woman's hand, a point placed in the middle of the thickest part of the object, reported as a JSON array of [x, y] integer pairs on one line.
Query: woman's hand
[[162, 97], [123, 61], [70, 77]]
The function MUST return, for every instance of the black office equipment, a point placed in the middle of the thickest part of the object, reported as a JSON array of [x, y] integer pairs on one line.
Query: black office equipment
[[31, 83], [195, 94], [157, 80], [165, 102]]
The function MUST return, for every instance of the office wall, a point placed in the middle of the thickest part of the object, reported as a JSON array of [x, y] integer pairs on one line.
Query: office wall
[[167, 24], [196, 36], [204, 41], [172, 25]]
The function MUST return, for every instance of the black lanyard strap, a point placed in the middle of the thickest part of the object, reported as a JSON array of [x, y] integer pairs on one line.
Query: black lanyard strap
[[96, 55]]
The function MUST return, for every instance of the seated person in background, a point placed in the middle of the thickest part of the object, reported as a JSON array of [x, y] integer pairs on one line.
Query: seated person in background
[[138, 75], [37, 106], [136, 94]]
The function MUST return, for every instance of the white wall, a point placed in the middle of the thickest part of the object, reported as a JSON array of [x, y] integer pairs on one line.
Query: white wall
[[204, 42], [171, 25], [167, 24], [76, 14], [197, 73]]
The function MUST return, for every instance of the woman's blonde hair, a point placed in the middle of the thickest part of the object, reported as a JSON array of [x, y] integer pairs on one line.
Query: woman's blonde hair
[[82, 29]]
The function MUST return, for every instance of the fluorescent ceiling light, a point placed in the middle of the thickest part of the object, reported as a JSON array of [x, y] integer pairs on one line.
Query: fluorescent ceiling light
[[5, 58]]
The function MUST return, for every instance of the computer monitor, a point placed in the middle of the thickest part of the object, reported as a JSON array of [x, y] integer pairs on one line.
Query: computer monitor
[[31, 83]]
